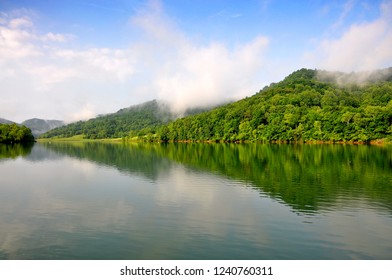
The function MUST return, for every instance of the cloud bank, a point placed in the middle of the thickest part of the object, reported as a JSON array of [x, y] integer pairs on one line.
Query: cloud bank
[[190, 74], [42, 77], [45, 77]]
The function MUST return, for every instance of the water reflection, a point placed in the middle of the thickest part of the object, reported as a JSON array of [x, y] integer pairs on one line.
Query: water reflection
[[309, 178], [15, 150], [97, 214], [196, 201]]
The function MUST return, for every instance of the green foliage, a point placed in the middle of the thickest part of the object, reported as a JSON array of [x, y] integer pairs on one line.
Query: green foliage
[[130, 122], [300, 108], [136, 122], [12, 133]]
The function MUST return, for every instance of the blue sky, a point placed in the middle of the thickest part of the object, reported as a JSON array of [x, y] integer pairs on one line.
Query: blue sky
[[72, 60]]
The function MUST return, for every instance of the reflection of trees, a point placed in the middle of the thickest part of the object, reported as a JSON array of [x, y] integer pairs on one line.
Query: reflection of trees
[[15, 150], [306, 177], [133, 158]]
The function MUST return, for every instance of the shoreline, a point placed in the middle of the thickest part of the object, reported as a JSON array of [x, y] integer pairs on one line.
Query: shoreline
[[377, 142]]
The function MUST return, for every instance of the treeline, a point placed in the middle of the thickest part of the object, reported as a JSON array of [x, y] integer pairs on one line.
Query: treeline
[[12, 133], [300, 108], [127, 123]]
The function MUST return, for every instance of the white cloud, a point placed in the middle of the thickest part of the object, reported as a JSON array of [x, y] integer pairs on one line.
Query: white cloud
[[85, 113], [20, 23], [189, 74], [45, 77], [211, 74], [16, 43], [364, 46], [41, 75], [54, 37], [98, 63]]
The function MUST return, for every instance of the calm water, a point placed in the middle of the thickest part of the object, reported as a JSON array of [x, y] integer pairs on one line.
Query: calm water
[[195, 201]]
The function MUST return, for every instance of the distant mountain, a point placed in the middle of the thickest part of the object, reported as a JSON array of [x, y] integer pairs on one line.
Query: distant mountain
[[37, 126], [40, 126], [4, 121]]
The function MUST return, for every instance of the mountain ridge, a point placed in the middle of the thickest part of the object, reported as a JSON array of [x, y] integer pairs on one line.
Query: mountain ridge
[[5, 121], [40, 126]]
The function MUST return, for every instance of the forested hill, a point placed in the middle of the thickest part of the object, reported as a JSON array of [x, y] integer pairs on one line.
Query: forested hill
[[302, 107], [126, 121], [129, 122], [308, 105]]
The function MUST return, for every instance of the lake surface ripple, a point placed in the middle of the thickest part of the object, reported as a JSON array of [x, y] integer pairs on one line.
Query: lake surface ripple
[[195, 201]]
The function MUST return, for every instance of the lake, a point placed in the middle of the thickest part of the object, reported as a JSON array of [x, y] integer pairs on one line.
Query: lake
[[195, 201]]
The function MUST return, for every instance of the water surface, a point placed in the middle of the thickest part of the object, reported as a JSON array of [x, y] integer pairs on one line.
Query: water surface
[[195, 201]]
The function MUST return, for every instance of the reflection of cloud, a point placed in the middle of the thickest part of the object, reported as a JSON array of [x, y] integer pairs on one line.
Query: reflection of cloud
[[44, 209], [73, 208], [82, 200], [197, 193]]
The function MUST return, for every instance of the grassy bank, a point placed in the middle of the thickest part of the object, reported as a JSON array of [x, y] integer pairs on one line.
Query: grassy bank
[[78, 138], [81, 138]]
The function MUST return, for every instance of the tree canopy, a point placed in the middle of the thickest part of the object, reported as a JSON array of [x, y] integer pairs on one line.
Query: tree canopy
[[12, 133], [299, 108]]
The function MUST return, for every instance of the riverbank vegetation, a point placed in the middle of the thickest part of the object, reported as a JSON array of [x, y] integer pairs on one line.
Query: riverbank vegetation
[[13, 133]]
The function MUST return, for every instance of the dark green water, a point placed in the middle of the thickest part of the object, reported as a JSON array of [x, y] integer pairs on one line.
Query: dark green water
[[195, 201]]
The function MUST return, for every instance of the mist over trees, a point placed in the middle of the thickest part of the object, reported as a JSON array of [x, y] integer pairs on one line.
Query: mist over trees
[[307, 106], [139, 119], [40, 126], [299, 108], [134, 121]]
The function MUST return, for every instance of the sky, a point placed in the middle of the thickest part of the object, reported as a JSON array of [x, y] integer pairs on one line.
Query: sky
[[72, 60]]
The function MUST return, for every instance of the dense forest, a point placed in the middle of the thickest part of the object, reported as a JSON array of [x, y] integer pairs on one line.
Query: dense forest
[[301, 108], [307, 106], [12, 133]]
